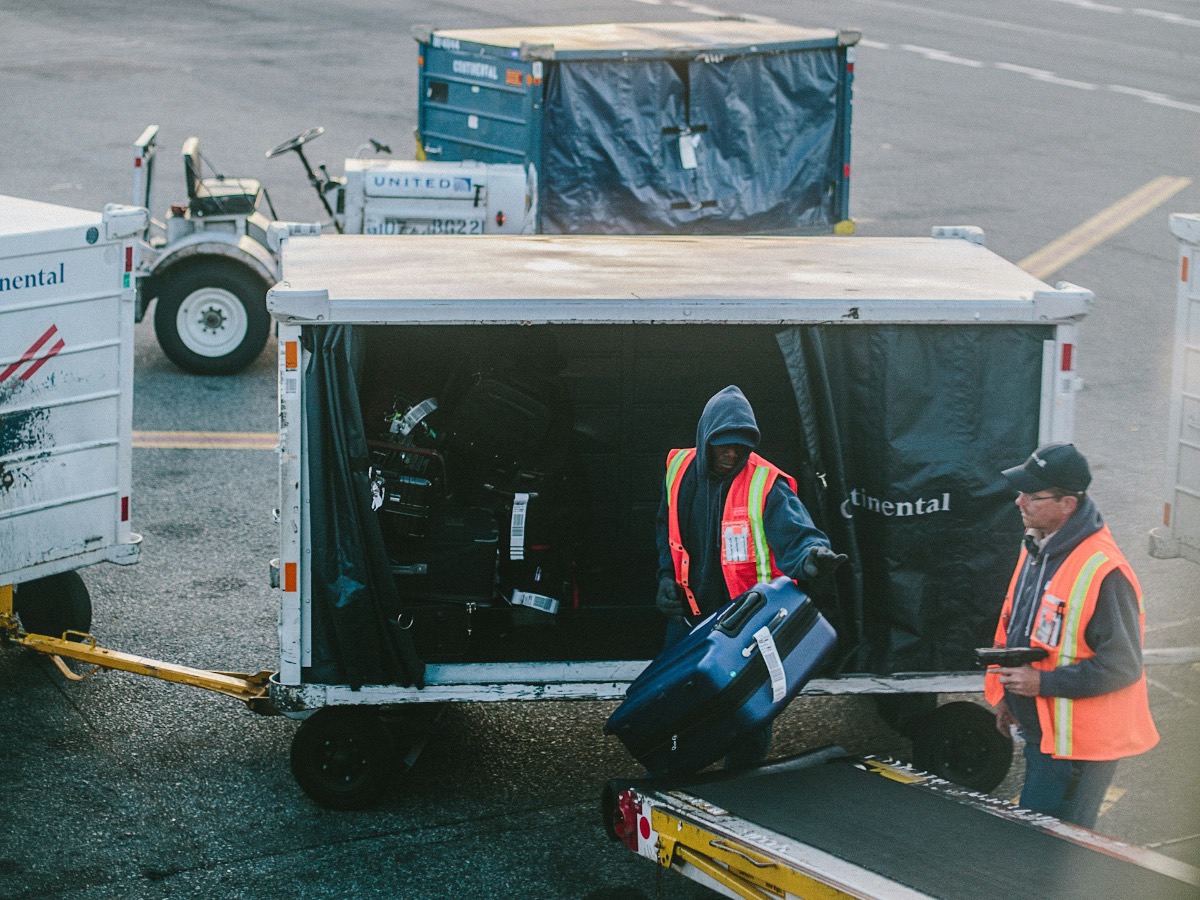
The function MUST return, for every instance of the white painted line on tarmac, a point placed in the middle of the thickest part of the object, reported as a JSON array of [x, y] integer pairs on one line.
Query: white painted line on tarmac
[[1046, 76], [1167, 843], [1154, 97], [942, 56], [1175, 694], [1173, 18], [699, 9], [1169, 17], [1096, 7], [1163, 626], [1043, 75]]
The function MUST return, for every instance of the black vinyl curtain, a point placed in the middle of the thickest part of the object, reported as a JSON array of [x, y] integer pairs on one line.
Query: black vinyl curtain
[[354, 603], [907, 428]]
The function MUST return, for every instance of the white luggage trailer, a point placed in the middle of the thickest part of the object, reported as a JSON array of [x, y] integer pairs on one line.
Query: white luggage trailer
[[66, 404], [1180, 531], [729, 285]]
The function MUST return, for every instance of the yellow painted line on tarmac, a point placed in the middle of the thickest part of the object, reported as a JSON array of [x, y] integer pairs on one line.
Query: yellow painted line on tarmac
[[1100, 227], [206, 440], [1111, 796]]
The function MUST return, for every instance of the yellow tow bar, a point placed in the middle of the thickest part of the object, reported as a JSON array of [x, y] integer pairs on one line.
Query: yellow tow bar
[[251, 689]]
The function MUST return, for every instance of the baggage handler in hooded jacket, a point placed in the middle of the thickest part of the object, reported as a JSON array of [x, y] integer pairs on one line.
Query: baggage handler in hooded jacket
[[1073, 594], [728, 520]]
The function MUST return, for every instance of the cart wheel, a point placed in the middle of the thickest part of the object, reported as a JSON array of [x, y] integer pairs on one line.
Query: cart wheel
[[905, 713], [959, 742], [342, 757], [211, 317], [53, 605]]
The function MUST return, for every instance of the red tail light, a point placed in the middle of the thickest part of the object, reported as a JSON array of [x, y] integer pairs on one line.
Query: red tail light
[[625, 820]]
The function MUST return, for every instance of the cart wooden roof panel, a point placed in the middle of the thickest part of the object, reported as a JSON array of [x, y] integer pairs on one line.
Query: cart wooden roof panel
[[646, 38], [576, 278]]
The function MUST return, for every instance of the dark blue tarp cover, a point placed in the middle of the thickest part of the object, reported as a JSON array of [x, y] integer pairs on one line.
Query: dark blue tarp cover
[[765, 133]]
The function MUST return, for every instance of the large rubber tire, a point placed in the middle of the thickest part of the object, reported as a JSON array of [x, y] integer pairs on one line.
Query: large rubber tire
[[211, 317], [53, 605], [959, 742], [343, 757]]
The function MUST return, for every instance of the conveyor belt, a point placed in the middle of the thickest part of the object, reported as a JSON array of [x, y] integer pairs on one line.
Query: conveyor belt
[[928, 842]]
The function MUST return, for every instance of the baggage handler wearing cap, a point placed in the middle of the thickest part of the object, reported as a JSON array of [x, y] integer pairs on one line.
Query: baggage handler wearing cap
[[1073, 594], [728, 520]]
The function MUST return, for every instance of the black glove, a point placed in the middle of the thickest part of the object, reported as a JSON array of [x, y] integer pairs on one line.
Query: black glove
[[822, 561], [667, 600]]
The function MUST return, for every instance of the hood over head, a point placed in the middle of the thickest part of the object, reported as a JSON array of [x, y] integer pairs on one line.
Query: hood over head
[[727, 419]]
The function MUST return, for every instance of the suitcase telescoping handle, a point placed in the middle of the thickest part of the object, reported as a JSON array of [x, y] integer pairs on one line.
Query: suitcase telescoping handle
[[740, 613]]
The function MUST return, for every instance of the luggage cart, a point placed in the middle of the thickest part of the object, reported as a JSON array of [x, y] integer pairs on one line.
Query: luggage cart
[[827, 825], [422, 302], [66, 402]]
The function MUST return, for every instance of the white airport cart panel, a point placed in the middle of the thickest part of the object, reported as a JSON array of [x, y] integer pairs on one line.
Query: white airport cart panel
[[66, 387], [1180, 534], [390, 196]]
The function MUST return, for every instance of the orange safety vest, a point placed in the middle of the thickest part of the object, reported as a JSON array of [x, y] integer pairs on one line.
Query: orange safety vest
[[746, 559], [1109, 726]]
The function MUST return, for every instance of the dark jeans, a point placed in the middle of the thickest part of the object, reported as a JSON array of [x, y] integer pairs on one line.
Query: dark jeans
[[1068, 789], [750, 749]]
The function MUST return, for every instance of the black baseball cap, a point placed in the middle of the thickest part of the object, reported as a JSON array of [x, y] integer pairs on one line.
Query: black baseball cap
[[1051, 466], [746, 437]]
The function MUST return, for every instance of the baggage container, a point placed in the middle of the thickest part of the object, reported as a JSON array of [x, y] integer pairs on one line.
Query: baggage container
[[733, 674], [66, 392], [704, 127], [894, 378], [1180, 531]]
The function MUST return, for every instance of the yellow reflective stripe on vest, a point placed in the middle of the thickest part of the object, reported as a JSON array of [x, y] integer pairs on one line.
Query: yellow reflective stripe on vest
[[673, 469], [754, 507], [1064, 707]]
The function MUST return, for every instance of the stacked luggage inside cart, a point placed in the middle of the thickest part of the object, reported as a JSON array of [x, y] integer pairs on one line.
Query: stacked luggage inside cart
[[479, 506]]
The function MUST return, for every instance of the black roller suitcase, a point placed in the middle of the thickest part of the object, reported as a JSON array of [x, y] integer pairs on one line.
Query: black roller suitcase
[[456, 561], [496, 417], [734, 673]]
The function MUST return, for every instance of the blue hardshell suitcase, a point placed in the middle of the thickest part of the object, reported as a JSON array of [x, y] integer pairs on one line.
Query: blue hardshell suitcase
[[734, 673]]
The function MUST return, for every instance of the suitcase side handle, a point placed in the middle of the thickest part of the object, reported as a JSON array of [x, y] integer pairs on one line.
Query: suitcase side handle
[[740, 613]]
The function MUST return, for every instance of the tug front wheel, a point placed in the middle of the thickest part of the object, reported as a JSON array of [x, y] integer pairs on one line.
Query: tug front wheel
[[211, 317]]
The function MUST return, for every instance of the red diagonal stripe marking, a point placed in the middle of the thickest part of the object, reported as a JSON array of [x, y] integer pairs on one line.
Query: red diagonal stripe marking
[[30, 353], [41, 362]]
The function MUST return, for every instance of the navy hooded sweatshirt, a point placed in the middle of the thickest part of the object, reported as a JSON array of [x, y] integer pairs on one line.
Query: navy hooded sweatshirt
[[789, 528]]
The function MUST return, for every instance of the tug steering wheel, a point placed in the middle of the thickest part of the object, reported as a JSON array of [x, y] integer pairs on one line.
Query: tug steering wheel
[[297, 142]]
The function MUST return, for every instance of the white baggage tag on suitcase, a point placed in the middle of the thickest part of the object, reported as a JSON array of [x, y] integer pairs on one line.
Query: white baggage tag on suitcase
[[770, 655], [516, 532]]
